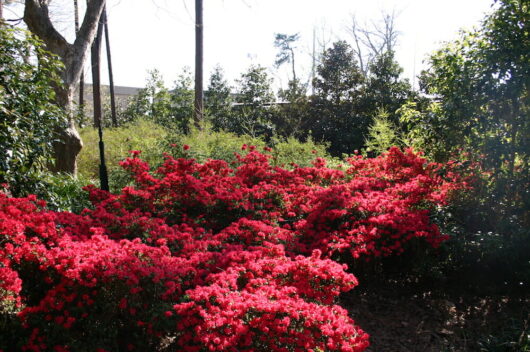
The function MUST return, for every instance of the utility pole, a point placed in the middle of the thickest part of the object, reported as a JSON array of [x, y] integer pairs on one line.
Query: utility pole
[[199, 99]]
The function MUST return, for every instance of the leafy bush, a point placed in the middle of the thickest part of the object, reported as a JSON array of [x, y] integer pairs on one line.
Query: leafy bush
[[207, 144], [211, 256], [28, 116], [140, 134], [154, 140], [221, 145], [382, 134]]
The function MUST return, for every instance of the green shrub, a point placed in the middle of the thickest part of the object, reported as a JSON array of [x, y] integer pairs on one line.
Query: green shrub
[[28, 115], [208, 144], [64, 192], [291, 150], [141, 134]]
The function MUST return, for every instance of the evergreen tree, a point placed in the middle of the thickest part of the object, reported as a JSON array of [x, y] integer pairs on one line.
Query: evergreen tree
[[253, 103], [219, 101], [336, 111]]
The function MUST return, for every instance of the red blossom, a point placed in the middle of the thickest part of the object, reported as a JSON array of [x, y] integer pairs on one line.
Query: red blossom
[[215, 256]]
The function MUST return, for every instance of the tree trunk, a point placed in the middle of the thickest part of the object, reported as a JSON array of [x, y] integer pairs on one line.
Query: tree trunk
[[96, 82], [111, 76], [69, 144], [73, 56], [198, 111], [82, 78], [292, 65]]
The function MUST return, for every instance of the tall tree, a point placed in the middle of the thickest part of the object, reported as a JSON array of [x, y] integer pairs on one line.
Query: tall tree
[[385, 89], [336, 115], [253, 99], [73, 56], [482, 83], [285, 44], [339, 77], [218, 99], [374, 40], [181, 109], [199, 95]]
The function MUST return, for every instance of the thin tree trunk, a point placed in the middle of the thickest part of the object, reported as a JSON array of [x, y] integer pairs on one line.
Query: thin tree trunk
[[1, 11], [199, 101], [111, 76], [292, 65], [96, 91], [313, 62], [82, 79], [96, 82]]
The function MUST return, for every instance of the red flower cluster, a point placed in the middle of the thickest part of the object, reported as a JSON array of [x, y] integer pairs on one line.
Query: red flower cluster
[[212, 257]]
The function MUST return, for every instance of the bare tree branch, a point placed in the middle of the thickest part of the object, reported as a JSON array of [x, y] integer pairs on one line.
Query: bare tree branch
[[373, 40]]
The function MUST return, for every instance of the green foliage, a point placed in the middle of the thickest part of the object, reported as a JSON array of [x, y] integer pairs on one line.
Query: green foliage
[[514, 336], [151, 101], [218, 101], [252, 113], [142, 134], [208, 144], [481, 81], [291, 115], [482, 88], [28, 115], [64, 192], [284, 42], [182, 97], [382, 134], [171, 109], [336, 116], [421, 131], [339, 77], [286, 45], [385, 89], [286, 152]]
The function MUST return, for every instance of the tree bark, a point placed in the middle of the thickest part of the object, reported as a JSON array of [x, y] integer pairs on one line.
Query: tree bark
[[111, 76], [73, 56], [82, 78], [199, 100], [95, 58]]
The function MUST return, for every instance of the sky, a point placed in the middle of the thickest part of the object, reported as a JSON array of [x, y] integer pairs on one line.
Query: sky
[[159, 34]]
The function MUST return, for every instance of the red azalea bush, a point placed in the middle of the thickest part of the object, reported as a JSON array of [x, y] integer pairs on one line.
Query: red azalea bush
[[212, 257]]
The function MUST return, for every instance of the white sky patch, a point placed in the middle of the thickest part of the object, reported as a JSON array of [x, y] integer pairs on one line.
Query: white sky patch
[[149, 34]]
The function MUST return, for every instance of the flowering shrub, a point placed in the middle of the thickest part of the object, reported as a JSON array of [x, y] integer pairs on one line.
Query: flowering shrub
[[213, 256]]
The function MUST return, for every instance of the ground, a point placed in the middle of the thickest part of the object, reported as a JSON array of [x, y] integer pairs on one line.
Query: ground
[[401, 319]]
